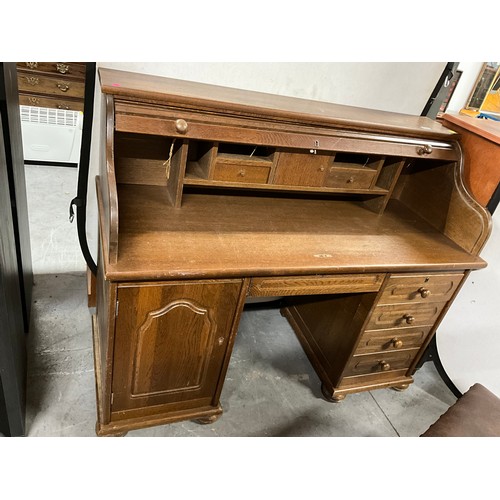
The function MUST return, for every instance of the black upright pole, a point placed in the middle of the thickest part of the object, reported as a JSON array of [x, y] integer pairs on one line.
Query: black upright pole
[[80, 201]]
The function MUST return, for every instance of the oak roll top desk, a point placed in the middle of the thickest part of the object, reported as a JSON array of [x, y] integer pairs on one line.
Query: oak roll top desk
[[358, 220]]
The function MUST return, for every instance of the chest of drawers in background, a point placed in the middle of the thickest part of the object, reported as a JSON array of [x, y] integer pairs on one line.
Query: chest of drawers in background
[[59, 85]]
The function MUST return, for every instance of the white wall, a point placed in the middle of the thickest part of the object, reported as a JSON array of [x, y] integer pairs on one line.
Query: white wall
[[402, 87]]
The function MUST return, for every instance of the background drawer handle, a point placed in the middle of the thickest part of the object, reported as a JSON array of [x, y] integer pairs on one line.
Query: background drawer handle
[[63, 87], [34, 100], [32, 65], [424, 292], [384, 366], [62, 68], [397, 343], [409, 319], [62, 106], [32, 80]]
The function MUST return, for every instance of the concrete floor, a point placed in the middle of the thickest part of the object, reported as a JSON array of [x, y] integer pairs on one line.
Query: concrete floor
[[270, 389]]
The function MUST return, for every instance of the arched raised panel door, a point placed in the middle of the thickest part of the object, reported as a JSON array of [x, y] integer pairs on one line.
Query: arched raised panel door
[[171, 341]]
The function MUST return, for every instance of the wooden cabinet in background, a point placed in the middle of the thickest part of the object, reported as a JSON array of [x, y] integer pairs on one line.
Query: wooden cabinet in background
[[59, 85], [480, 140], [358, 220]]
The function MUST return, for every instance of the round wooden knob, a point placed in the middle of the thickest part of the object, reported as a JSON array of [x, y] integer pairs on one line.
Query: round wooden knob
[[385, 366], [397, 343], [409, 318], [424, 292], [181, 126]]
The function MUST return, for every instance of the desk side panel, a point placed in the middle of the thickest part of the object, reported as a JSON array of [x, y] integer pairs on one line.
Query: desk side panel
[[435, 191]]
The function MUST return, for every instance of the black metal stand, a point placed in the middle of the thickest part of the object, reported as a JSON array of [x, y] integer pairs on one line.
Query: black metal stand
[[80, 200]]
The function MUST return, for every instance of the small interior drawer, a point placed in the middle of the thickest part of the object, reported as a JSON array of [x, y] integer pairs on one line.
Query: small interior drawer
[[392, 340], [380, 363], [404, 315], [348, 177], [244, 170], [420, 288]]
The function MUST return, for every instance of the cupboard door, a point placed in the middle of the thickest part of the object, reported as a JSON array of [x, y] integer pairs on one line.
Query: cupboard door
[[170, 343]]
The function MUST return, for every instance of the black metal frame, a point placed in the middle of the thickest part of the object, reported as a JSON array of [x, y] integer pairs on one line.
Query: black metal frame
[[51, 163], [80, 200]]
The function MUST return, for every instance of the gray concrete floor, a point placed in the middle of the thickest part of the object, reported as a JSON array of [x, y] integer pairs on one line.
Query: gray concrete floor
[[270, 389]]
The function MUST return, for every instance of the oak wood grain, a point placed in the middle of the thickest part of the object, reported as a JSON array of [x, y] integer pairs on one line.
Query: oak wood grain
[[420, 288], [148, 88], [170, 344], [315, 285], [258, 236]]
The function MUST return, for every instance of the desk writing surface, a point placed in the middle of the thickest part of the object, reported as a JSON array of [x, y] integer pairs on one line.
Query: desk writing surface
[[230, 236]]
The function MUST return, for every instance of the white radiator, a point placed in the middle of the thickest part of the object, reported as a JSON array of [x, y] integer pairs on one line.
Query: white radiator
[[51, 134]]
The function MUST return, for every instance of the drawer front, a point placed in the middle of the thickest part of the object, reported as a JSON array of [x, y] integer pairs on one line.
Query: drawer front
[[420, 288], [380, 363], [392, 340], [241, 173], [349, 178], [301, 169], [315, 285], [48, 102], [72, 69], [35, 84], [404, 315]]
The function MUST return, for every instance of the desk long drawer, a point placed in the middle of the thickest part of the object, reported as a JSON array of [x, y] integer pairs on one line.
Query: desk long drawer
[[315, 285]]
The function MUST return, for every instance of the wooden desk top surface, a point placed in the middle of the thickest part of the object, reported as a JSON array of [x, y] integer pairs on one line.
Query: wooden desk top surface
[[213, 98], [214, 236], [489, 129]]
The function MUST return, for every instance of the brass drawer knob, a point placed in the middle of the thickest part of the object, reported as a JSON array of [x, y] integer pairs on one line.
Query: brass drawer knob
[[409, 319], [350, 180], [384, 366], [220, 340], [424, 150], [181, 126], [241, 173], [424, 292], [62, 68], [63, 87], [397, 343]]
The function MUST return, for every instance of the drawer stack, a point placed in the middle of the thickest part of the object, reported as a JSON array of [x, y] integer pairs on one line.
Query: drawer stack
[[51, 84], [406, 313]]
